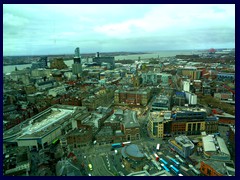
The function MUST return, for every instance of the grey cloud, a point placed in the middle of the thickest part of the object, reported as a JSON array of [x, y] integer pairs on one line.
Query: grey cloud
[[51, 29]]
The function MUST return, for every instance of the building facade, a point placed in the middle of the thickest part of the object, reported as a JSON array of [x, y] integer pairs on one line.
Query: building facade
[[99, 60], [159, 124], [182, 145], [122, 97]]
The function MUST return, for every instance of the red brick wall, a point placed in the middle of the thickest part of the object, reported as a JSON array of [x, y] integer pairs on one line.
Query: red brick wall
[[208, 170]]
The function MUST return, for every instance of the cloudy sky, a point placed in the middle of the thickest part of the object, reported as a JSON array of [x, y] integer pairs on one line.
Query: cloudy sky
[[53, 29]]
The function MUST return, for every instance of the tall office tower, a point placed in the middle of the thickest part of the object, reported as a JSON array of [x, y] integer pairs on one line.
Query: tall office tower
[[97, 54], [77, 66], [77, 58]]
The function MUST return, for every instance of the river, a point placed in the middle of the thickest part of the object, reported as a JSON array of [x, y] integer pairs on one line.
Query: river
[[10, 68]]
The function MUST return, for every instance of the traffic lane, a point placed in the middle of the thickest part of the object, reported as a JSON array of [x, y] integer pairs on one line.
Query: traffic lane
[[105, 167], [117, 162], [111, 163], [88, 161], [99, 167]]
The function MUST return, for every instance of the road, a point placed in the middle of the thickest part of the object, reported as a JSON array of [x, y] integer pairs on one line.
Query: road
[[99, 166]]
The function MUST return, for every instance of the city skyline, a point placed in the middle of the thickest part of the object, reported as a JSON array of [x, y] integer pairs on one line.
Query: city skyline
[[57, 29]]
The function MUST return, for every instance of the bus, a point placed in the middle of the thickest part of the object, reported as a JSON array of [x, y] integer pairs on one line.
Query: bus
[[158, 147], [163, 161], [126, 143], [174, 169], [197, 172], [55, 141], [165, 167], [159, 153], [180, 159], [156, 156], [148, 157], [90, 167], [175, 162], [156, 164], [117, 145], [151, 156]]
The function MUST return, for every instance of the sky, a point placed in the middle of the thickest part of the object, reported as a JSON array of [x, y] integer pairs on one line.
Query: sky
[[44, 29]]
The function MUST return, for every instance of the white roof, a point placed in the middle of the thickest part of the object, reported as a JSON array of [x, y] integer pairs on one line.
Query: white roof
[[208, 143], [222, 146]]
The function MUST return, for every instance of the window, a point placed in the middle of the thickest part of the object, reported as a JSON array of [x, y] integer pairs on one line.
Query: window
[[209, 172], [128, 137], [137, 136]]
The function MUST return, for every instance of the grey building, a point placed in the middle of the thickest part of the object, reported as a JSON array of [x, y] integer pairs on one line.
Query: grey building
[[182, 145], [131, 126], [77, 66], [215, 148], [99, 60], [161, 102]]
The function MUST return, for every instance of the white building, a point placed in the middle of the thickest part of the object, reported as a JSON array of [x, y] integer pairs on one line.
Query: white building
[[191, 98], [186, 86], [42, 129], [215, 148]]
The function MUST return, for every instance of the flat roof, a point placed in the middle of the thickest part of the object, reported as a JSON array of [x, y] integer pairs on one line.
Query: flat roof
[[208, 143], [184, 141], [211, 142], [45, 121], [42, 123], [222, 146], [130, 119]]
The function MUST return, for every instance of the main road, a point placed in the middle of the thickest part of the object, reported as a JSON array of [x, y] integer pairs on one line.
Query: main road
[[99, 166]]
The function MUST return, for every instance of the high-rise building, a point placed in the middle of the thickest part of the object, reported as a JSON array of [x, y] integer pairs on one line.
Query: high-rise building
[[77, 58], [77, 66]]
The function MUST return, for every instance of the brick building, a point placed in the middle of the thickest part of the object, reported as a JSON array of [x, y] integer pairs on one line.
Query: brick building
[[80, 137], [130, 126], [140, 97]]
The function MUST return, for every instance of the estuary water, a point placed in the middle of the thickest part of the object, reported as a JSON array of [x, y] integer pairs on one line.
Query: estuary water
[[10, 68]]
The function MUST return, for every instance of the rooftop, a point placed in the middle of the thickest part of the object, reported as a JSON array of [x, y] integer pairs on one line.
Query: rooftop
[[44, 122], [220, 167], [184, 141], [130, 119], [185, 109], [213, 143], [132, 150]]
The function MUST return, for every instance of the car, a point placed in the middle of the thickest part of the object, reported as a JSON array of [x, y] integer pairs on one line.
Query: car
[[90, 167], [123, 166], [89, 174]]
